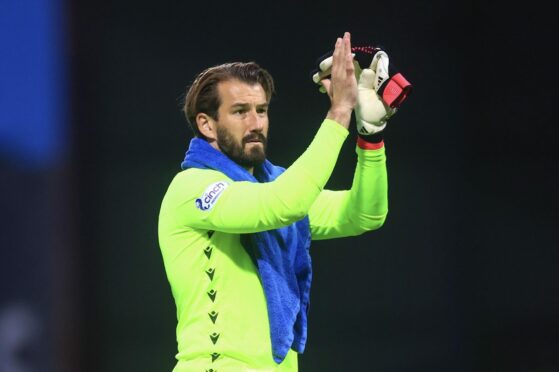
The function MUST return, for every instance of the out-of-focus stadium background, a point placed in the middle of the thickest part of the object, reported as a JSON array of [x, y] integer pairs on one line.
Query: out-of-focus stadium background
[[463, 276]]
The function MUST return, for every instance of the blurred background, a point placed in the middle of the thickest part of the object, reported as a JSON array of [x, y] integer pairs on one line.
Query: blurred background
[[464, 274]]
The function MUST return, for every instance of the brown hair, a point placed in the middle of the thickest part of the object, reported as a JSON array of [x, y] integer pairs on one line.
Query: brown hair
[[203, 96]]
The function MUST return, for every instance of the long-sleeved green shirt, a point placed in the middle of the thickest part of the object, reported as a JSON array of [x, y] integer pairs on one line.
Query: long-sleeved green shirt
[[221, 308]]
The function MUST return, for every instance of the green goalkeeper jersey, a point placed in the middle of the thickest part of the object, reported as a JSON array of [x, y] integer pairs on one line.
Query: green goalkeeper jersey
[[221, 307]]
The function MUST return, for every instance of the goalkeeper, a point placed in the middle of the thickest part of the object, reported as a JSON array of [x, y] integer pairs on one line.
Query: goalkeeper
[[235, 230]]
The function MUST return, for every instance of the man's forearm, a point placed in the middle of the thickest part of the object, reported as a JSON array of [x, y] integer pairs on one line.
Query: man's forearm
[[369, 192], [341, 115], [337, 214]]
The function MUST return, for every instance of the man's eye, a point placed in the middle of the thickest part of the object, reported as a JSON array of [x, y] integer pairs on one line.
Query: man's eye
[[262, 111]]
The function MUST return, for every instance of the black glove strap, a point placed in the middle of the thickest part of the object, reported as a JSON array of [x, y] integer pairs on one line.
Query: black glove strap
[[372, 138]]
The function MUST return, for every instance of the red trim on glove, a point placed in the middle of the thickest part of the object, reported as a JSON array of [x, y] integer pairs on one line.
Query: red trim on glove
[[396, 90], [369, 145]]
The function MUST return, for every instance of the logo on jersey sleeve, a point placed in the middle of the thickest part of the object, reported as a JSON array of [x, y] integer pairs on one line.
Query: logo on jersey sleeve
[[211, 195]]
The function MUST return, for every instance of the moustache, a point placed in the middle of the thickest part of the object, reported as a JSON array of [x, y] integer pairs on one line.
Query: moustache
[[255, 137]]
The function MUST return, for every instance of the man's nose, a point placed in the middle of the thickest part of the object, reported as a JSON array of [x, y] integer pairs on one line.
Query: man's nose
[[256, 122]]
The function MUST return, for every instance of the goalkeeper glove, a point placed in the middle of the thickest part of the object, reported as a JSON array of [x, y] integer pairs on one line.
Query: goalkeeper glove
[[381, 89]]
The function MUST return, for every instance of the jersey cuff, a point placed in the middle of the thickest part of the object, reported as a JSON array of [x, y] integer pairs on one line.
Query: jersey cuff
[[336, 126]]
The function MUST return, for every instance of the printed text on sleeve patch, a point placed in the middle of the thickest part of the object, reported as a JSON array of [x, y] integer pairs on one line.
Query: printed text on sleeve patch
[[211, 195]]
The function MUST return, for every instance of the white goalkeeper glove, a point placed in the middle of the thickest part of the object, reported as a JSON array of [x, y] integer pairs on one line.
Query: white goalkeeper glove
[[380, 89], [371, 113]]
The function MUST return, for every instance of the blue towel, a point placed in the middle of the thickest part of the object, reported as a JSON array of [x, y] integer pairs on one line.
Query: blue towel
[[281, 256]]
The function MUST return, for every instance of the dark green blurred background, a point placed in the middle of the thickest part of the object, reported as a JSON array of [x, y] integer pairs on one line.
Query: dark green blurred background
[[462, 277]]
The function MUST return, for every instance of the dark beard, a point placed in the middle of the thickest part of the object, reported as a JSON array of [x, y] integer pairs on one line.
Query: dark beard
[[237, 153]]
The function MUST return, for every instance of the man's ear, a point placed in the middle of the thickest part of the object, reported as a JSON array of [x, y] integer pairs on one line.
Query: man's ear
[[206, 126]]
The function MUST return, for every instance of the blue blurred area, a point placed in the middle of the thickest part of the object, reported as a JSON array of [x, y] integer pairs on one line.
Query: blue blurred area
[[33, 85], [34, 110]]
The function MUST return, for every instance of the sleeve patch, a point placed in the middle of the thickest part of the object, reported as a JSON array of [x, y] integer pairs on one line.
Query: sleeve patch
[[211, 195]]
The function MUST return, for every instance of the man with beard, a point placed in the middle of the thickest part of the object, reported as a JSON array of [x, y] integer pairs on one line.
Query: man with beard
[[235, 230]]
